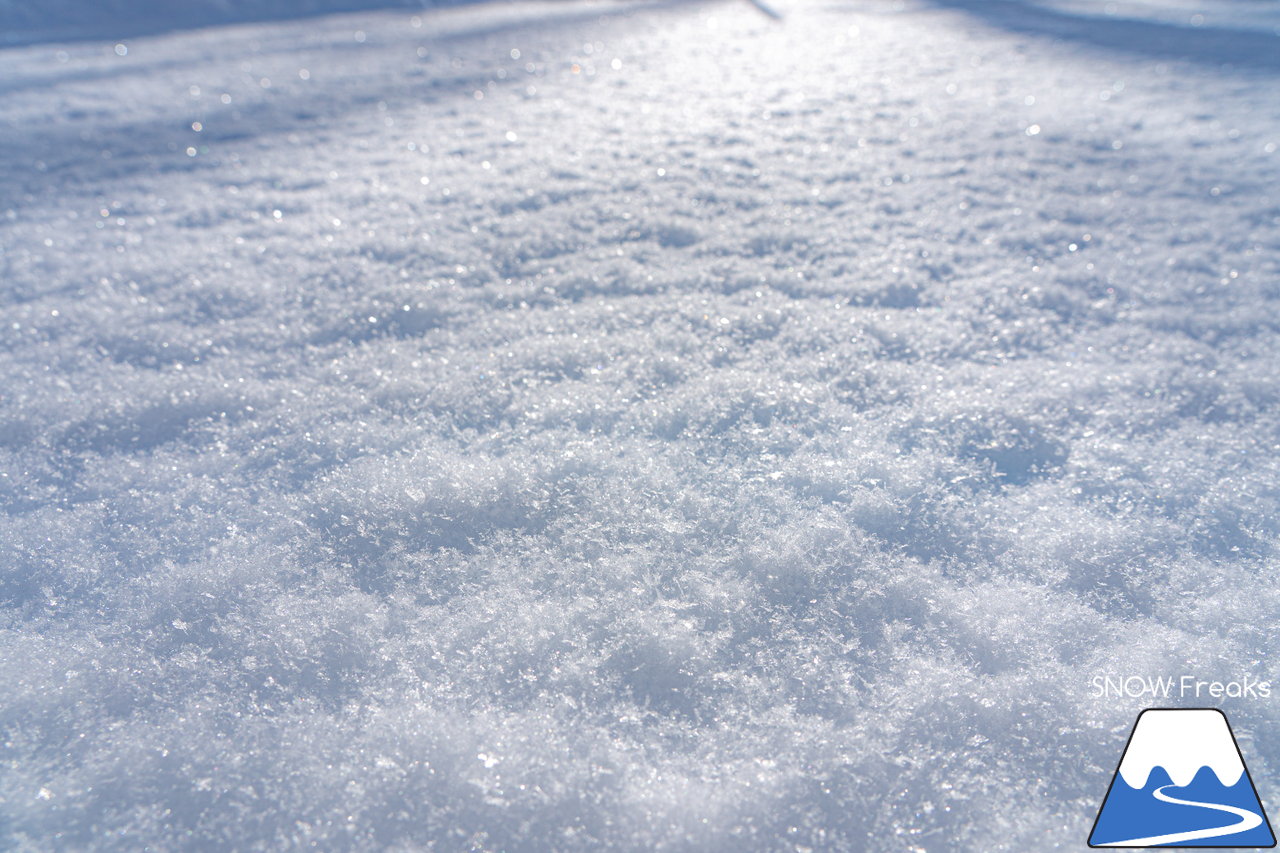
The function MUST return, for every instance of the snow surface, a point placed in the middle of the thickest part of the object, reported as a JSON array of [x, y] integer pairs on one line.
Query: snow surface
[[644, 426]]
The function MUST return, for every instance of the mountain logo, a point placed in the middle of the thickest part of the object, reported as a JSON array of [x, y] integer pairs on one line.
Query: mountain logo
[[1182, 782]]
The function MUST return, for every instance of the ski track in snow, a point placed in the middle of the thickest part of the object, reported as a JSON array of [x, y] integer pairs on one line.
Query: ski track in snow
[[561, 426]]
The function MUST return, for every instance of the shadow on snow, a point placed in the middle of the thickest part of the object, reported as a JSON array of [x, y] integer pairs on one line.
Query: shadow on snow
[[1234, 48]]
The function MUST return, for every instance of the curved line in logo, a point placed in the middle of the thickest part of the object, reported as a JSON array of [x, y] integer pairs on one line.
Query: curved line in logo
[[1248, 820]]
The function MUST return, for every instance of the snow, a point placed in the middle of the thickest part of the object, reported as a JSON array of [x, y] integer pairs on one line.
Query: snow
[[24, 22], [629, 426]]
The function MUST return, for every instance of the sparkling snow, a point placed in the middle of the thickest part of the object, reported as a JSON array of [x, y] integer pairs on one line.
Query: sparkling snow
[[638, 426]]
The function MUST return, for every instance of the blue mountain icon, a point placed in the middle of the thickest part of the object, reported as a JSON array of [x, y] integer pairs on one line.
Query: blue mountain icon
[[1182, 782]]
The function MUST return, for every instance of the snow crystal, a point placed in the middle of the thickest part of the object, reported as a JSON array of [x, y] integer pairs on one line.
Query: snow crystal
[[738, 438]]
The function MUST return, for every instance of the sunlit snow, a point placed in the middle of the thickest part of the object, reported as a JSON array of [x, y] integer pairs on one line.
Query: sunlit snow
[[627, 425]]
